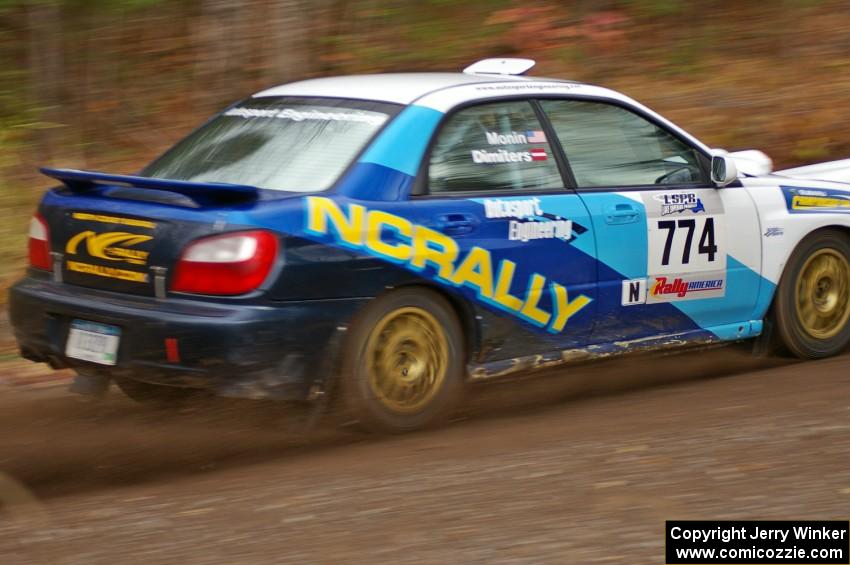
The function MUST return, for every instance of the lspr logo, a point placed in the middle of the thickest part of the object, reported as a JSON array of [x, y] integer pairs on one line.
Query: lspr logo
[[676, 203]]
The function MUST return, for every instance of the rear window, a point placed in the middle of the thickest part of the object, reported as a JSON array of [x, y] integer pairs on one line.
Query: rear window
[[289, 144]]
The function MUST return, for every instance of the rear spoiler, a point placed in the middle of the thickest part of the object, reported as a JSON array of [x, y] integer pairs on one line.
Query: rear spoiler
[[85, 181]]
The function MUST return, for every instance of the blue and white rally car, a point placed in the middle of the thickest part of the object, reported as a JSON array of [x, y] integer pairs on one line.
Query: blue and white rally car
[[400, 234]]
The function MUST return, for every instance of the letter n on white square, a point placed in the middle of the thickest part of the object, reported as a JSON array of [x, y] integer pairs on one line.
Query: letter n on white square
[[634, 292]]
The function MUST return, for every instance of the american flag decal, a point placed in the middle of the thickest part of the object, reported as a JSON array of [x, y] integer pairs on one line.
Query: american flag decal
[[535, 136], [538, 155]]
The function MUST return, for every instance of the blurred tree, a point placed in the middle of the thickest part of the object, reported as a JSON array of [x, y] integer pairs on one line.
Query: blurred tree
[[47, 65], [291, 32], [110, 83]]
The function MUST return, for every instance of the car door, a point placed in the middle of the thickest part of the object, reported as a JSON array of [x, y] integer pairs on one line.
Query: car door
[[675, 254], [494, 192]]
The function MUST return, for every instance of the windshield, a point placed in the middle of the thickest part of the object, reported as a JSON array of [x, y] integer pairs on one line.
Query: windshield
[[290, 144]]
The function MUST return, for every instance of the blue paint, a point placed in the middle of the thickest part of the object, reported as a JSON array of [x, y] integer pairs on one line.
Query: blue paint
[[402, 143], [741, 296], [622, 247], [369, 181]]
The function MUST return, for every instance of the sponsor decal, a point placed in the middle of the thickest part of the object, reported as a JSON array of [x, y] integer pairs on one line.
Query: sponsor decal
[[305, 115], [500, 156], [801, 202], [520, 208], [108, 272], [807, 200], [416, 247], [676, 203], [774, 232], [534, 86], [515, 138], [634, 292], [680, 288], [505, 156], [534, 229], [110, 246], [530, 222], [113, 220]]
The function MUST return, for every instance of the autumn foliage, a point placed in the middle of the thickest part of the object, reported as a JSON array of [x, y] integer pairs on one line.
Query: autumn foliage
[[110, 83]]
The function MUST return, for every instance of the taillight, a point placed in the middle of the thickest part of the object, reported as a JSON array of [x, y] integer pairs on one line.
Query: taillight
[[39, 244], [229, 264]]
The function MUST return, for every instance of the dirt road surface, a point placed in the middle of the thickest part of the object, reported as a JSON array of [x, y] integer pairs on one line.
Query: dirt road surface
[[580, 466]]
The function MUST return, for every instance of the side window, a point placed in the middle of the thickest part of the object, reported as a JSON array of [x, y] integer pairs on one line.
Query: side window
[[607, 145], [493, 147]]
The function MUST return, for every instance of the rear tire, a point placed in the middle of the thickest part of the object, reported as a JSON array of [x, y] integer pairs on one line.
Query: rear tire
[[813, 299], [403, 363]]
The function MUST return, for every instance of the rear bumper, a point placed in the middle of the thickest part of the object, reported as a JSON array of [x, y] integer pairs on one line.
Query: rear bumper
[[245, 350]]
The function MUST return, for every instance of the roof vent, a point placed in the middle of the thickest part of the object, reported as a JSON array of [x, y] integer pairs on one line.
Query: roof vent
[[500, 67]]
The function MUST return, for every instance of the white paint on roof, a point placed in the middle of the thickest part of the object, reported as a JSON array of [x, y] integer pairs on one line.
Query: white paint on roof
[[446, 99], [444, 91], [401, 88]]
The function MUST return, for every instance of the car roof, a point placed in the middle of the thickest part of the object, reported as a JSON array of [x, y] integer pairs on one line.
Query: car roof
[[400, 88], [444, 91]]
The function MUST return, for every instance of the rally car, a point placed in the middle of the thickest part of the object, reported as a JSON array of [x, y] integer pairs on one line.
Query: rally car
[[388, 238]]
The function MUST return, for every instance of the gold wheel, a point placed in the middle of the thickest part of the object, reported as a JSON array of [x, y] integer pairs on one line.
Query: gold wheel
[[822, 301], [407, 357]]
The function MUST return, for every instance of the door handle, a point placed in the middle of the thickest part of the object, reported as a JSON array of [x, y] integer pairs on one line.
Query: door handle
[[456, 224], [621, 214]]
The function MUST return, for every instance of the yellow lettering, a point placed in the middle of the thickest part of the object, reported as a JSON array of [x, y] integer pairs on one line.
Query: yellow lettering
[[113, 220], [100, 246], [476, 270], [74, 242], [564, 309], [532, 298], [503, 286], [818, 202], [423, 251], [108, 272], [376, 220], [349, 230]]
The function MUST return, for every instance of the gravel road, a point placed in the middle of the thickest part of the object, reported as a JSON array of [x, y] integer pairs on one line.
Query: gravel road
[[579, 466]]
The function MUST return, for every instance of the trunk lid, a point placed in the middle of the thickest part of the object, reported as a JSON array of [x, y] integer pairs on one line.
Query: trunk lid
[[125, 233]]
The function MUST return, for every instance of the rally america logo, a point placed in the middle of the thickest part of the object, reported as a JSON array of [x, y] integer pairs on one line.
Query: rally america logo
[[681, 288]]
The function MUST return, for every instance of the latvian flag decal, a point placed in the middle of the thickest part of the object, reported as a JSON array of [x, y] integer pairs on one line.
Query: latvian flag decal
[[538, 155]]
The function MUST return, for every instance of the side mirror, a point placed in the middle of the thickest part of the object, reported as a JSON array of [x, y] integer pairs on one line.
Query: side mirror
[[752, 162], [723, 170]]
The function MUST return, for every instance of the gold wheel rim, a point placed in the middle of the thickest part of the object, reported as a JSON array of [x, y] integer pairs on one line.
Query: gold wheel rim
[[823, 285], [407, 358]]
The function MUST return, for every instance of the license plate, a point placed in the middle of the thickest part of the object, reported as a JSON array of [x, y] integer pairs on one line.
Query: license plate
[[93, 342]]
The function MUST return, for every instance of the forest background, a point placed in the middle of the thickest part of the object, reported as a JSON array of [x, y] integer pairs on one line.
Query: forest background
[[109, 84]]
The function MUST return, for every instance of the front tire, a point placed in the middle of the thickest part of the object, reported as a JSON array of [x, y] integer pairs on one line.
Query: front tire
[[404, 362], [813, 298]]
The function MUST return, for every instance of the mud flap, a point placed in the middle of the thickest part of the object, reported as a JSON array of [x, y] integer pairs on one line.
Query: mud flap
[[323, 387], [765, 344], [91, 385]]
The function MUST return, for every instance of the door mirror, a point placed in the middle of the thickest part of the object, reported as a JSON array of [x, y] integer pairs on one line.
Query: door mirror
[[752, 162], [723, 170]]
